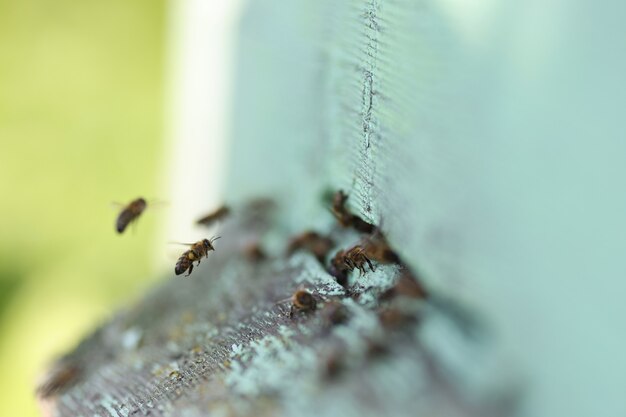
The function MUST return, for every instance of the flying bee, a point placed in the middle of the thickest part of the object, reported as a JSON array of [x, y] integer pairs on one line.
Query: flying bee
[[216, 215], [312, 242], [130, 213], [195, 253], [347, 219]]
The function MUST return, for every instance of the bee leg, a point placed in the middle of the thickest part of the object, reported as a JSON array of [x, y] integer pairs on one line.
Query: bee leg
[[369, 263], [190, 269]]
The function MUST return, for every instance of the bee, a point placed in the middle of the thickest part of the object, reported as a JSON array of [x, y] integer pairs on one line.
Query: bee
[[354, 258], [347, 219], [345, 261], [62, 376], [376, 349], [378, 249], [130, 213], [334, 364], [216, 215], [408, 286], [195, 253], [302, 301], [312, 242], [261, 204], [339, 210], [335, 313], [394, 318], [254, 252]]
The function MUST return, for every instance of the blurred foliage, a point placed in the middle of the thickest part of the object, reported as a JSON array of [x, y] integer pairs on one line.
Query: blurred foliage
[[81, 102]]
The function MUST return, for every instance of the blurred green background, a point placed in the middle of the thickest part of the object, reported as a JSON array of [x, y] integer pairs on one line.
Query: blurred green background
[[81, 103]]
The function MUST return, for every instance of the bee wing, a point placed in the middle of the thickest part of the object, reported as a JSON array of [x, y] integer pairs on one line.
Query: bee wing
[[117, 205], [284, 300], [180, 243], [356, 250]]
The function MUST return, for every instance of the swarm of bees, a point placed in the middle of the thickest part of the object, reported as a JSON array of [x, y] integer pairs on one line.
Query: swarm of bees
[[131, 212], [359, 257]]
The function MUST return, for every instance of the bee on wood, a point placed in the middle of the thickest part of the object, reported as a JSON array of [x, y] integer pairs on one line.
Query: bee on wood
[[258, 213], [301, 301], [339, 210], [377, 248], [394, 318], [62, 376], [347, 219], [345, 261], [195, 253], [407, 286], [211, 218], [312, 242], [130, 213], [254, 252], [354, 258], [377, 349], [335, 313], [334, 364]]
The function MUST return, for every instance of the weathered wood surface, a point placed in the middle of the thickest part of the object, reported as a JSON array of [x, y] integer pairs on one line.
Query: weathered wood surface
[[221, 342]]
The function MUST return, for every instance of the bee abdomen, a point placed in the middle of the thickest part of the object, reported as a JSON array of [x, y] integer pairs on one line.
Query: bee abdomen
[[182, 265], [123, 220]]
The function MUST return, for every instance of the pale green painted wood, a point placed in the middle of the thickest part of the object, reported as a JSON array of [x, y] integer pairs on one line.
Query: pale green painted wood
[[488, 140]]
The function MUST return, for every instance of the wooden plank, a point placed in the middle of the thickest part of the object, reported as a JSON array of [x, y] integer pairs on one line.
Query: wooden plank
[[222, 341]]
